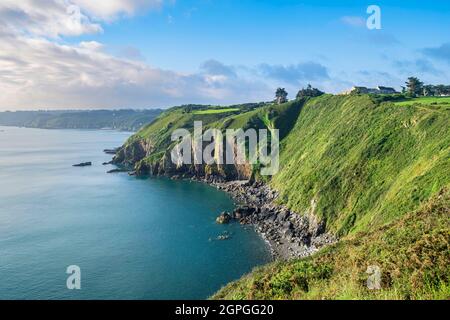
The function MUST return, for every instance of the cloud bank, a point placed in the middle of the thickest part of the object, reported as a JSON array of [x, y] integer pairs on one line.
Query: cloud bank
[[38, 70]]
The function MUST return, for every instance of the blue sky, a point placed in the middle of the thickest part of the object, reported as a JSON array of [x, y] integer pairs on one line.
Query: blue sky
[[183, 35], [227, 51]]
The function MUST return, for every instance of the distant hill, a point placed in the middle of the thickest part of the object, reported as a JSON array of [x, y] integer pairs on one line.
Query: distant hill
[[124, 120]]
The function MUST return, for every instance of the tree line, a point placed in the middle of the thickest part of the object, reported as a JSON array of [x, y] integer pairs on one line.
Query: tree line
[[416, 88], [413, 87]]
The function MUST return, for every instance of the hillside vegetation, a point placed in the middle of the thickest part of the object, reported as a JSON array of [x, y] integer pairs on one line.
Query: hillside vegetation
[[377, 172], [412, 254], [425, 101], [363, 163]]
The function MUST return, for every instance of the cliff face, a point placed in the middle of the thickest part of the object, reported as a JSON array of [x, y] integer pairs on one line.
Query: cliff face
[[132, 153], [149, 151], [140, 155]]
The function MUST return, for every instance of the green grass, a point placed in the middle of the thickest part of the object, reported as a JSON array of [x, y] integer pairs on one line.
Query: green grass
[[215, 111], [364, 164], [412, 253], [425, 101]]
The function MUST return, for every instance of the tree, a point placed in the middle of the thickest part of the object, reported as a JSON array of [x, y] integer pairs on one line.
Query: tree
[[442, 90], [281, 96], [415, 86], [309, 92], [429, 90]]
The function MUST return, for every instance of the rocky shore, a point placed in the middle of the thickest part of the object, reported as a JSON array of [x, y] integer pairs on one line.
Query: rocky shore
[[289, 234]]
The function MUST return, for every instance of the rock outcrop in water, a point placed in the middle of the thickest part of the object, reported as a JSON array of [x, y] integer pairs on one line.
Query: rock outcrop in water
[[119, 170], [111, 151], [224, 218], [83, 164]]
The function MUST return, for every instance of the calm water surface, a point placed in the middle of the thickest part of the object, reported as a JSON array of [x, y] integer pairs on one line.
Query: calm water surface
[[132, 238]]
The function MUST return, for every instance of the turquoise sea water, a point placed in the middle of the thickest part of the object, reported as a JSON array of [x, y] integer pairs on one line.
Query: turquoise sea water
[[132, 238]]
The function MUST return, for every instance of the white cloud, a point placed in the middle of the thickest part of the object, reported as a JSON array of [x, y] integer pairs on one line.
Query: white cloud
[[49, 18], [54, 18], [111, 9], [41, 73], [38, 70]]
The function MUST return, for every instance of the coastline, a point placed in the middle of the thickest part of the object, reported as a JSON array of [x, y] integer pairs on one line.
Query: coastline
[[288, 234]]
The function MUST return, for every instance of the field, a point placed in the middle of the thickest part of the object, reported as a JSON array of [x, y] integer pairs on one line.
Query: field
[[425, 101], [216, 111]]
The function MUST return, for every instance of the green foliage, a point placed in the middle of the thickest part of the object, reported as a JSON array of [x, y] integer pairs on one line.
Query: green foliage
[[414, 86], [364, 161], [309, 92], [281, 96], [427, 101], [258, 116]]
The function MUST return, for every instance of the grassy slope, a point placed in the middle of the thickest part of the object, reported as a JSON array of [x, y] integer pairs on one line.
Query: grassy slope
[[365, 164], [425, 101], [368, 166], [413, 254]]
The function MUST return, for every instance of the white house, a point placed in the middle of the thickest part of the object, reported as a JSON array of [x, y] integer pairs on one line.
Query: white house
[[377, 90]]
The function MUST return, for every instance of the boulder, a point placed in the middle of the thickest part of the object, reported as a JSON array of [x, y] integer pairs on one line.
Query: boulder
[[243, 212], [282, 216], [224, 218], [224, 236]]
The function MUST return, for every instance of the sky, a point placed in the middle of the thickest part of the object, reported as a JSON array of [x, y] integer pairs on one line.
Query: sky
[[84, 54]]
